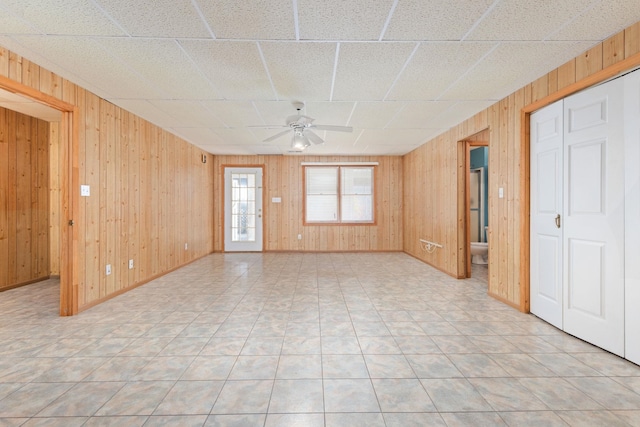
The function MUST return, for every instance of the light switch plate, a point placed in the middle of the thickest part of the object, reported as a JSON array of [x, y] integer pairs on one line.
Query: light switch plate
[[276, 200]]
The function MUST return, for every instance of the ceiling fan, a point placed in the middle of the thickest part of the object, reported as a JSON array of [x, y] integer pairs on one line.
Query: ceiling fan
[[303, 130]]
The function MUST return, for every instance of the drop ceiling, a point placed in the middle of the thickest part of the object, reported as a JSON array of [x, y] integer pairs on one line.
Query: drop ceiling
[[218, 73]]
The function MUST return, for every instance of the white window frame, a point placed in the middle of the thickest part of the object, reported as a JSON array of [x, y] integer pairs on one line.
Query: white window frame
[[339, 195]]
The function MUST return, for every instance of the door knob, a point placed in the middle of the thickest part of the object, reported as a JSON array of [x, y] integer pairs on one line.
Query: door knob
[[558, 220]]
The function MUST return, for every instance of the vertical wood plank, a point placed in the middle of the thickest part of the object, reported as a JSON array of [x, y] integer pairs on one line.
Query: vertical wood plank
[[94, 264], [567, 74], [4, 199], [4, 62], [589, 63], [23, 197], [12, 198], [145, 216], [54, 199], [540, 87], [43, 207], [613, 50], [74, 95], [632, 40], [131, 127]]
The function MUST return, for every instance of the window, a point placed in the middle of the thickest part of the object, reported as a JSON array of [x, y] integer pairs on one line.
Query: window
[[339, 194]]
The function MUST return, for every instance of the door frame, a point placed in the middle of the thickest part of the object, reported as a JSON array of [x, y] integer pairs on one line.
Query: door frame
[[609, 72], [468, 144], [224, 208], [69, 183]]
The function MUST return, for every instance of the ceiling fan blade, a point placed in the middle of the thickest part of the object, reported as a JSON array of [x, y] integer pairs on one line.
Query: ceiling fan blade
[[313, 137], [333, 128], [299, 118], [277, 135], [267, 126]]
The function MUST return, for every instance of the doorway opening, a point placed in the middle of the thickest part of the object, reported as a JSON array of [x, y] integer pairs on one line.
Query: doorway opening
[[56, 187], [476, 206]]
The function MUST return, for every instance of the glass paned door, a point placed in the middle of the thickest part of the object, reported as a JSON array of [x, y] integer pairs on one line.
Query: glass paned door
[[243, 209]]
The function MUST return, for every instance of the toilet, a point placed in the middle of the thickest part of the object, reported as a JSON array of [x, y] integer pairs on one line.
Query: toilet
[[480, 251]]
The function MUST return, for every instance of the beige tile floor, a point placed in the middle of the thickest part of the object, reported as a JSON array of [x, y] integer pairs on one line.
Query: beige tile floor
[[302, 340]]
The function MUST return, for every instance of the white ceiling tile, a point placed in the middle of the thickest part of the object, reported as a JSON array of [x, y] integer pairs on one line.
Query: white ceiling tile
[[262, 134], [419, 115], [263, 20], [229, 149], [237, 136], [395, 136], [434, 67], [268, 150], [235, 68], [86, 57], [329, 113], [275, 113], [374, 115], [12, 24], [157, 18], [69, 17], [333, 150], [144, 109], [338, 139], [394, 150], [300, 71], [601, 21], [366, 71], [163, 64], [234, 114], [526, 20], [200, 136], [37, 56], [434, 19], [511, 66], [187, 114], [342, 20], [461, 111]]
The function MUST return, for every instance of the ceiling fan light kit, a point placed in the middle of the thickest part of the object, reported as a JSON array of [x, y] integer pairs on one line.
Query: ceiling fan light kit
[[302, 127], [299, 141]]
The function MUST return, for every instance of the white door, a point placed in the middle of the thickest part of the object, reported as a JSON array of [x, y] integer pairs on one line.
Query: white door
[[632, 216], [546, 210], [243, 209], [593, 219]]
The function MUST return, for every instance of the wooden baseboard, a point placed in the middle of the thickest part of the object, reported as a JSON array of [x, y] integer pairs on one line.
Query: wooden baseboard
[[136, 285], [455, 276], [28, 282], [506, 301]]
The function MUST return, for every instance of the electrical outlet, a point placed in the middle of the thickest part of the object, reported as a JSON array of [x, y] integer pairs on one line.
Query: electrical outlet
[[186, 246], [108, 269], [299, 236], [130, 264]]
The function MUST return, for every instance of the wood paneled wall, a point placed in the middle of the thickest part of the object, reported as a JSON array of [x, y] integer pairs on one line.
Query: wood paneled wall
[[24, 199], [431, 213], [284, 221], [150, 192], [54, 199]]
